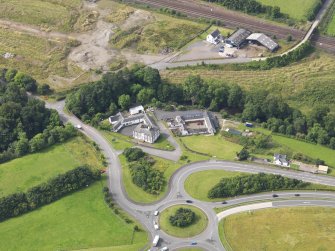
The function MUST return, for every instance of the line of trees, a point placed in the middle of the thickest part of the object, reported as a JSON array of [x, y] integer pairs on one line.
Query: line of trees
[[251, 7], [143, 174], [19, 203], [26, 125], [254, 183], [314, 10]]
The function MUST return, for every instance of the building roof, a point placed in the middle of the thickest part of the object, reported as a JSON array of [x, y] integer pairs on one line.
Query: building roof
[[115, 118], [323, 168], [215, 33], [239, 36], [145, 129], [136, 109], [264, 40]]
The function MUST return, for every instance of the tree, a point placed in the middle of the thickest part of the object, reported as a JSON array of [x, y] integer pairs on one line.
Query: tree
[[36, 143], [243, 154], [182, 218], [133, 154], [44, 89], [124, 101], [235, 97], [145, 96], [191, 88]]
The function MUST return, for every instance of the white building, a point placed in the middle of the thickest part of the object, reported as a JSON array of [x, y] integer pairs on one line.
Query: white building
[[136, 110], [280, 160], [322, 169], [214, 37], [146, 133]]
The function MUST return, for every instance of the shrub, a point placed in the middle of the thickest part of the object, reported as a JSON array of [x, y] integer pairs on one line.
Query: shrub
[[133, 154], [182, 218]]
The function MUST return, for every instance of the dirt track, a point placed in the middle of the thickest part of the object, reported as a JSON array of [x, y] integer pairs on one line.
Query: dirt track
[[234, 19]]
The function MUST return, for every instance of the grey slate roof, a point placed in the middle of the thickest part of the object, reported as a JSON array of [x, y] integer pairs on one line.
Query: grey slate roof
[[238, 37], [215, 33], [263, 40]]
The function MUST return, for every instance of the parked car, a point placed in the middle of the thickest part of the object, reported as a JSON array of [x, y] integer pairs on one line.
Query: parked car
[[156, 213], [224, 202], [189, 201], [297, 195], [275, 195], [194, 243], [164, 249]]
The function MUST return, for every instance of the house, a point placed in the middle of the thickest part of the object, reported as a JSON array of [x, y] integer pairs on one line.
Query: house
[[238, 38], [280, 159], [215, 37], [322, 169], [262, 39], [136, 110], [146, 130]]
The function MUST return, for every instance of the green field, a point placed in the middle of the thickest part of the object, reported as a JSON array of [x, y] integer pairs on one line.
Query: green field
[[303, 85], [79, 221], [212, 145], [296, 9], [196, 228], [49, 14], [33, 169], [299, 229], [198, 184]]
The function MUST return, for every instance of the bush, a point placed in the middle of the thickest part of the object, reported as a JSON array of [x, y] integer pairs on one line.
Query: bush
[[183, 217], [133, 154], [255, 183]]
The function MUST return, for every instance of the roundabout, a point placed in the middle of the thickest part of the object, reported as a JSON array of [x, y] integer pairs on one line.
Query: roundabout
[[176, 196], [196, 227]]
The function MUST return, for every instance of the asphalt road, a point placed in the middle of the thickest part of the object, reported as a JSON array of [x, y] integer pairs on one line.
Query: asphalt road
[[209, 239]]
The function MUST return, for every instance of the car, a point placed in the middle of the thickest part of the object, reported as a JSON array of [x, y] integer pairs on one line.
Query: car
[[275, 195], [224, 202], [194, 243], [221, 49], [156, 213], [79, 127], [164, 249], [296, 195], [156, 227], [189, 201]]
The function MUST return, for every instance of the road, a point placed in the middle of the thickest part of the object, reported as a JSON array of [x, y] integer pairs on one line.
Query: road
[[209, 239]]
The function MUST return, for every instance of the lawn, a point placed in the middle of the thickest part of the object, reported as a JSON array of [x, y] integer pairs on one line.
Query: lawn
[[49, 14], [33, 169], [136, 193], [212, 145], [38, 57], [299, 229], [198, 184], [194, 229], [296, 9], [305, 84], [79, 221]]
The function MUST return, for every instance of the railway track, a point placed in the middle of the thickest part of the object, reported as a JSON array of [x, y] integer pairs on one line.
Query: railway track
[[234, 20]]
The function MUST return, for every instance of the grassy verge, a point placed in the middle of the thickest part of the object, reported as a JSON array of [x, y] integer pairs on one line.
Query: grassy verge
[[198, 184], [33, 169], [196, 228], [117, 140], [79, 221], [302, 228], [212, 145], [137, 194]]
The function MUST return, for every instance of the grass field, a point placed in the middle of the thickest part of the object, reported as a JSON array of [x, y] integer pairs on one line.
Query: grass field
[[49, 14], [294, 8], [196, 228], [79, 221], [136, 193], [299, 229], [37, 56], [198, 184], [303, 84], [151, 32], [212, 145], [33, 169]]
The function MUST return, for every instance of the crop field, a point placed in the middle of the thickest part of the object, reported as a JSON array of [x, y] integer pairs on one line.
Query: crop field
[[81, 220], [38, 57], [296, 9], [212, 145], [299, 229], [155, 33], [33, 169], [47, 14], [303, 84]]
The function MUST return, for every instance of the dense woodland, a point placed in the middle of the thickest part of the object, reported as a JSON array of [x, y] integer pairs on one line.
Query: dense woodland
[[254, 183], [19, 203], [25, 124]]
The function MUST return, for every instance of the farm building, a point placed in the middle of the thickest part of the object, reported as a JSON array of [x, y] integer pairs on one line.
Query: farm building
[[215, 37], [280, 159], [238, 38], [264, 40]]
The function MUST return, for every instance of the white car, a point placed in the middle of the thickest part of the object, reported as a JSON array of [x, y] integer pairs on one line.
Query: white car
[[156, 227], [79, 127], [164, 249], [156, 213]]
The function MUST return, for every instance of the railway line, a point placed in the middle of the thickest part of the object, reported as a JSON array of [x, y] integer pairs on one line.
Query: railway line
[[233, 20]]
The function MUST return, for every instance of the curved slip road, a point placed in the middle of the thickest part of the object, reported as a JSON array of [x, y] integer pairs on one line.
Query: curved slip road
[[209, 239]]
